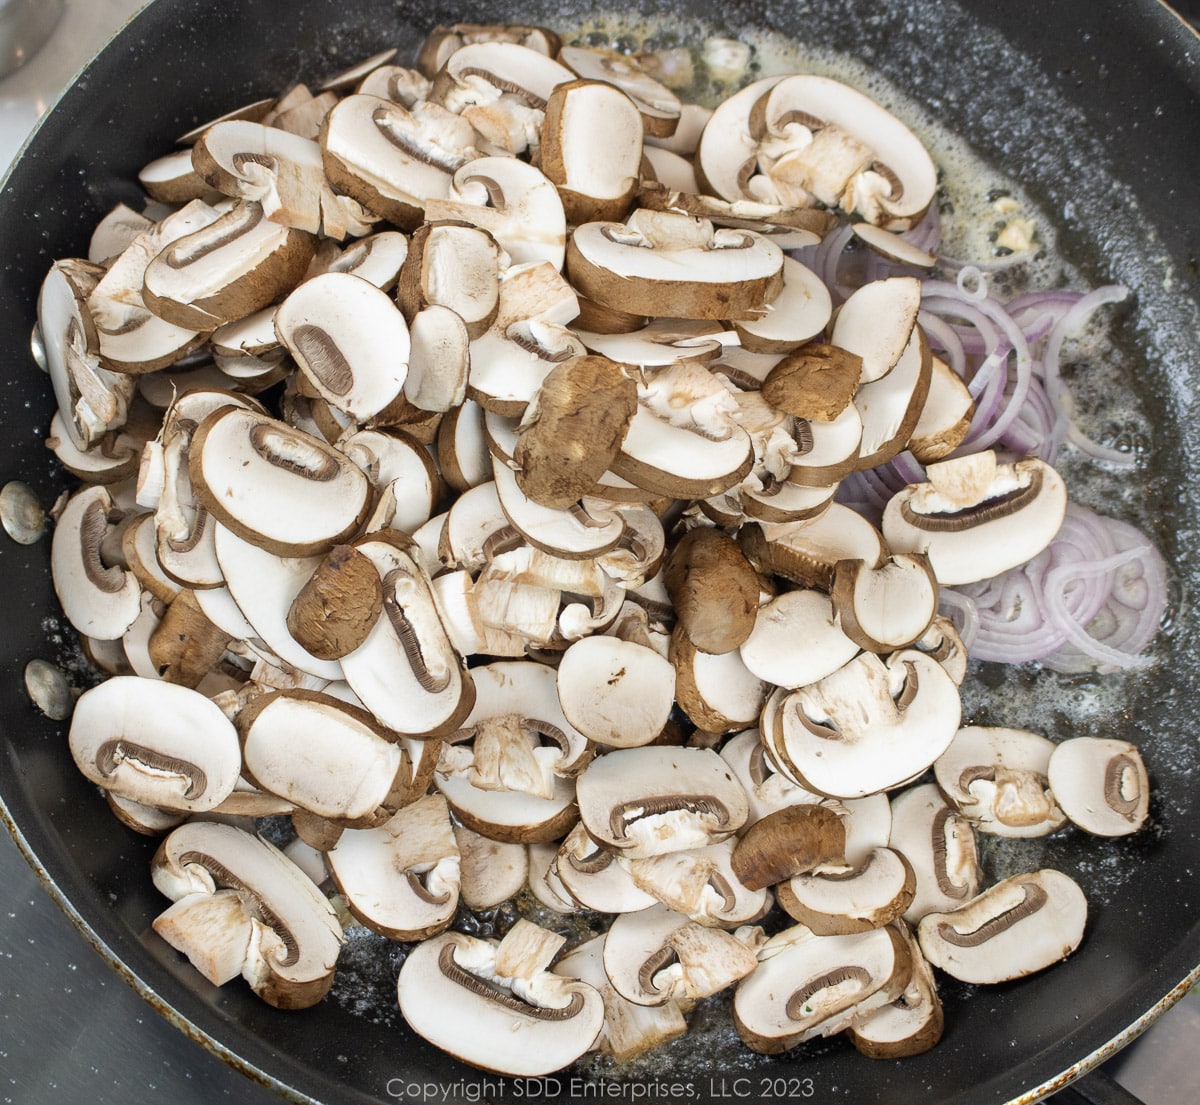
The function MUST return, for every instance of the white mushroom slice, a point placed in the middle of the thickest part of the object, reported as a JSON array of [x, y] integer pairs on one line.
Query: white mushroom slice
[[219, 608], [876, 323], [945, 417], [1021, 925], [890, 406], [942, 641], [939, 844], [514, 202], [1100, 784], [629, 1029], [147, 820], [660, 343], [359, 72], [402, 878], [682, 269], [282, 172], [509, 365], [395, 463], [276, 485], [647, 801], [885, 607], [701, 884], [443, 41], [726, 150], [115, 232], [799, 313], [295, 938], [476, 529], [490, 871], [997, 777], [263, 586], [250, 338], [838, 898], [113, 458], [226, 270], [544, 883], [323, 755], [594, 878], [975, 517], [718, 692], [523, 1027], [826, 451], [135, 641], [766, 790], [406, 671], [100, 600], [893, 246], [377, 258], [462, 453], [456, 266], [480, 72], [796, 640], [692, 119], [658, 106], [818, 136], [806, 552], [869, 726], [577, 533], [910, 1025], [807, 985], [348, 339], [591, 148], [615, 692], [657, 956], [673, 171], [154, 742]]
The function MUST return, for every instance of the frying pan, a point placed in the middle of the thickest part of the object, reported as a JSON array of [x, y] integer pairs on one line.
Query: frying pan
[[1093, 106]]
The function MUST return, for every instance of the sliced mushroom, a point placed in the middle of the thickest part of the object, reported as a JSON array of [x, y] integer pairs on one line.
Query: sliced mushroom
[[876, 323], [806, 552], [439, 362], [291, 934], [276, 485], [976, 517], [1016, 927], [791, 841], [401, 470], [401, 879], [673, 266], [226, 270], [798, 314], [594, 879], [455, 265], [1101, 784], [998, 777], [717, 691], [349, 341], [886, 607], [910, 1025], [157, 743], [837, 898], [444, 41], [490, 871], [797, 640], [869, 726], [186, 646], [808, 985], [334, 611], [659, 107], [891, 406], [945, 417], [115, 232], [816, 383], [526, 1025], [647, 801], [713, 588], [100, 600]]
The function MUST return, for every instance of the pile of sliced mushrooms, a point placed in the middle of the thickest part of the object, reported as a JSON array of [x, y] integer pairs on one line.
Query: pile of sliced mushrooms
[[458, 448]]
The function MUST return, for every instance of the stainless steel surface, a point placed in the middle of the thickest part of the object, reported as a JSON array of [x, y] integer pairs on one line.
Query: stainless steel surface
[[24, 27], [70, 1029]]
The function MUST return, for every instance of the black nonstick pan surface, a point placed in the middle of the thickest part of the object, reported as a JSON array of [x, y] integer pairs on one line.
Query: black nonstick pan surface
[[1091, 105]]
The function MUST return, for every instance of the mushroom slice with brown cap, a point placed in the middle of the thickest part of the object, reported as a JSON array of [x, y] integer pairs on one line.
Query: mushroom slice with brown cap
[[443, 41], [526, 1025], [798, 314], [718, 692], [509, 364], [334, 611], [377, 258], [885, 607], [158, 743], [701, 884], [659, 107], [114, 232], [594, 878], [323, 755], [797, 640], [660, 342], [998, 777], [939, 844], [514, 202], [226, 270], [876, 322], [656, 956], [677, 267], [578, 533], [275, 485], [869, 726], [816, 383], [807, 985], [727, 151], [395, 462], [910, 1025], [713, 588], [837, 898], [171, 179], [294, 940], [100, 600], [825, 451], [402, 878], [807, 551], [406, 671], [283, 172], [818, 136], [406, 87], [349, 341], [942, 641], [672, 170], [945, 417], [890, 406], [1101, 784], [617, 693], [1018, 926], [355, 74], [894, 246], [788, 842], [591, 148], [391, 158], [454, 265], [647, 801], [490, 871], [976, 517], [766, 790], [480, 72], [439, 362]]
